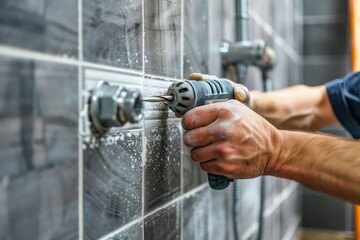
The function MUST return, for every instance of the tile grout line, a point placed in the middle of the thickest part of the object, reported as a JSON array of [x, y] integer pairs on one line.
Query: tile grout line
[[33, 55], [279, 199], [252, 229], [143, 158], [80, 141], [277, 38], [182, 37], [292, 229], [178, 199]]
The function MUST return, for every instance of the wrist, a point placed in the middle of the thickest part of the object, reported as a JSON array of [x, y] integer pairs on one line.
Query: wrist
[[276, 153]]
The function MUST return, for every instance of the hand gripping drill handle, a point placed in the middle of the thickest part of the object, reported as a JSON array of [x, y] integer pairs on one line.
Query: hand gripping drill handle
[[190, 94]]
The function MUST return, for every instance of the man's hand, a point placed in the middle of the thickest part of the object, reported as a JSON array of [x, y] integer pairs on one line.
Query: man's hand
[[230, 139]]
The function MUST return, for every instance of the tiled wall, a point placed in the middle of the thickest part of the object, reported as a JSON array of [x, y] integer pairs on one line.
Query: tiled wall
[[136, 182], [326, 57]]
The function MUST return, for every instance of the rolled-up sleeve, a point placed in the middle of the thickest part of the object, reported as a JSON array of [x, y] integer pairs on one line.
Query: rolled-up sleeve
[[344, 96]]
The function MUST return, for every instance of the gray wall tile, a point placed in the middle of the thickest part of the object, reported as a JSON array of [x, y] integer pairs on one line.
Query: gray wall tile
[[164, 224], [162, 165], [196, 216], [112, 182], [47, 26], [318, 74], [325, 39], [112, 33], [325, 7], [131, 233], [324, 212], [195, 37], [192, 173], [39, 149], [162, 38], [221, 213]]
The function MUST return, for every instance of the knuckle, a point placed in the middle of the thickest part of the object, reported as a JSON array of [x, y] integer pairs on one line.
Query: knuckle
[[185, 121], [223, 132], [204, 167], [187, 139], [194, 155]]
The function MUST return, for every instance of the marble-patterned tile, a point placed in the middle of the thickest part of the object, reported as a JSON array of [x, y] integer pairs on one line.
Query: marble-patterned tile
[[164, 224], [112, 182], [112, 33], [43, 204], [163, 37], [38, 113], [248, 206], [221, 213], [134, 232], [271, 227], [192, 173], [196, 216], [290, 214], [48, 26], [196, 46], [162, 165], [38, 110], [215, 24]]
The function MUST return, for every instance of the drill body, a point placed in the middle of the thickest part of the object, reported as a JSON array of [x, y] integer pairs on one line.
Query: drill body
[[190, 94]]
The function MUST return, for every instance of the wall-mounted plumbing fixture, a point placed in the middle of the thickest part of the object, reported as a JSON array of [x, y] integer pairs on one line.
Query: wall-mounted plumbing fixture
[[254, 53], [113, 106]]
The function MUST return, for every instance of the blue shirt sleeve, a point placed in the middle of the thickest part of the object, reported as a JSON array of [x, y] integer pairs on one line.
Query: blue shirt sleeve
[[344, 96]]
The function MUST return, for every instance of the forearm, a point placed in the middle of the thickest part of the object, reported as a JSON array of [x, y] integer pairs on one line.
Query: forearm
[[298, 107], [327, 164]]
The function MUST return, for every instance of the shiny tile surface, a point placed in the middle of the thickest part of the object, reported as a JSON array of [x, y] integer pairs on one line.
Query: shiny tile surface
[[164, 224], [47, 26], [112, 182], [196, 216], [196, 37], [39, 169], [112, 32], [162, 166], [133, 232], [162, 37], [192, 173]]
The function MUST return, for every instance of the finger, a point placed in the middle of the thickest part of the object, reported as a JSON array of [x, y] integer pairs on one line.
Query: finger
[[199, 137], [213, 166], [200, 76], [204, 154], [200, 116], [242, 94]]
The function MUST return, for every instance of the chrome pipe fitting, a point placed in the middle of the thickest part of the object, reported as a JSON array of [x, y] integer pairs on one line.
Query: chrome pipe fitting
[[254, 53], [113, 106]]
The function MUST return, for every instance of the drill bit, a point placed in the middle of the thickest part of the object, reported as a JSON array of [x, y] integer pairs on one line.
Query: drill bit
[[161, 98]]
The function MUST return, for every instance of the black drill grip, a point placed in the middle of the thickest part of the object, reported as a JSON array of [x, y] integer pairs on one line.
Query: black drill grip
[[218, 182]]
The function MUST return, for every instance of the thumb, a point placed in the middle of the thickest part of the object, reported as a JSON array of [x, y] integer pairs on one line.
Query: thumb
[[200, 77], [242, 94]]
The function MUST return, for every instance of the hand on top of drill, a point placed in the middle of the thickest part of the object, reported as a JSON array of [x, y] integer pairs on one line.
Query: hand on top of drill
[[241, 93], [230, 139]]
